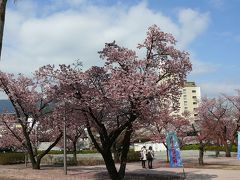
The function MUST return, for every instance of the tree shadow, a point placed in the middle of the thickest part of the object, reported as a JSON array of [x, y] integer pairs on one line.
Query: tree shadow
[[196, 176], [157, 175]]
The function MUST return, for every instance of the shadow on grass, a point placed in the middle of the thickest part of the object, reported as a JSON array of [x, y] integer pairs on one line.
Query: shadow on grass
[[157, 175]]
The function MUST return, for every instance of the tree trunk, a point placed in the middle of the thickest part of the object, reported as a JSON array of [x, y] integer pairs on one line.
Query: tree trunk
[[36, 159], [116, 152], [217, 150], [166, 152], [35, 164], [2, 21], [217, 153], [125, 149], [110, 165], [75, 152], [227, 150], [201, 153]]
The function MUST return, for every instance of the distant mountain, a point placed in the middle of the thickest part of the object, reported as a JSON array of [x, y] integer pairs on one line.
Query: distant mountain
[[6, 105]]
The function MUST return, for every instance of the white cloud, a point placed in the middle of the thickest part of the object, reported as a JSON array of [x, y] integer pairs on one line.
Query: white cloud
[[200, 68], [63, 36], [192, 24], [217, 3], [216, 88]]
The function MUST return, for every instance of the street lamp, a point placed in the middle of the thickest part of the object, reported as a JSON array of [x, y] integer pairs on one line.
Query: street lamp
[[64, 141]]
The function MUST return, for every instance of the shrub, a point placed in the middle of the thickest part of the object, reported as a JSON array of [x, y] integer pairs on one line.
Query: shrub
[[133, 155], [214, 148], [85, 151], [190, 147], [207, 147], [234, 148], [11, 158], [90, 162]]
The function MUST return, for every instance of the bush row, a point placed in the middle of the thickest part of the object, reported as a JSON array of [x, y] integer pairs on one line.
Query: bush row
[[207, 147], [85, 151], [11, 158], [18, 157]]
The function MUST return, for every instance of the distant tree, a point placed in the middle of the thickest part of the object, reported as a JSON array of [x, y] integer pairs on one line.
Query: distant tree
[[76, 130], [234, 103], [166, 120], [126, 90], [202, 136], [215, 117]]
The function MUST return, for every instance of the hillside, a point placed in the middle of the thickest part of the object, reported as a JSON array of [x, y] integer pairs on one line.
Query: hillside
[[6, 105]]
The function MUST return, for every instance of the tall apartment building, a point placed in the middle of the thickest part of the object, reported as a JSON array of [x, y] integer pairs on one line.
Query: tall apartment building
[[190, 98]]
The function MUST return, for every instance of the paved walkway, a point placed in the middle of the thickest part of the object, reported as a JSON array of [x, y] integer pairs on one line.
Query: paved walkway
[[216, 168]]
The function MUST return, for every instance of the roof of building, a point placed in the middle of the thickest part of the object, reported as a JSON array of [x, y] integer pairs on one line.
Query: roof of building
[[190, 84]]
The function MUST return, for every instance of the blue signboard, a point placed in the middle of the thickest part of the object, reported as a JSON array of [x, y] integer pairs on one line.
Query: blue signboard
[[173, 150], [238, 153]]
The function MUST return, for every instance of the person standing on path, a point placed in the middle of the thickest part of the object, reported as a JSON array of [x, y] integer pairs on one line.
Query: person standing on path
[[143, 156], [150, 156]]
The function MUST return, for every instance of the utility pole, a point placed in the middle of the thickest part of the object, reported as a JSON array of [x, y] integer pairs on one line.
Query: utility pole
[[64, 141]]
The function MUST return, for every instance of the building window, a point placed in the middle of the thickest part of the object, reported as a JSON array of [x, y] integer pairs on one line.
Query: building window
[[195, 114], [185, 103], [193, 91], [194, 102], [184, 91], [194, 97], [185, 108], [185, 97]]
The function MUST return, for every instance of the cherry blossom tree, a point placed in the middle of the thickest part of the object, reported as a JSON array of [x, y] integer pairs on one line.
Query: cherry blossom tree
[[35, 116], [76, 130], [234, 102], [217, 121], [202, 135], [165, 120], [126, 90]]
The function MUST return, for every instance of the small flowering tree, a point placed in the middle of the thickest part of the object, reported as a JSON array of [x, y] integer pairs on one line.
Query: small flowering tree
[[234, 102], [76, 130], [165, 120], [216, 121], [201, 135], [34, 117]]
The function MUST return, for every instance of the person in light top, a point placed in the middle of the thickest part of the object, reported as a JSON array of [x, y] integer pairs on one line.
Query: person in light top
[[143, 157]]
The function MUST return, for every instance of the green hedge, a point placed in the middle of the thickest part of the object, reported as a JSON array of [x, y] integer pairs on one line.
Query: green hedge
[[190, 147], [11, 158], [85, 151], [133, 156], [207, 147], [234, 148]]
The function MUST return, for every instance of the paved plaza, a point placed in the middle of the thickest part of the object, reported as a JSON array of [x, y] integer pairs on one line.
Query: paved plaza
[[220, 168]]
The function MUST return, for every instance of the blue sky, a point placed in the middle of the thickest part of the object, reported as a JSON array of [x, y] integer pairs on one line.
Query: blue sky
[[61, 31]]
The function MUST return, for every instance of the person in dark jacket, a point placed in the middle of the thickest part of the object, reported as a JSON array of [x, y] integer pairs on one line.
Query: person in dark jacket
[[150, 156]]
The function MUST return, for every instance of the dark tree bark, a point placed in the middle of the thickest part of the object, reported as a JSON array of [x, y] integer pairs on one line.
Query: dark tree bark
[[36, 158], [201, 153], [105, 144], [116, 152], [217, 150], [125, 149], [3, 4], [227, 149], [75, 151], [166, 151]]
